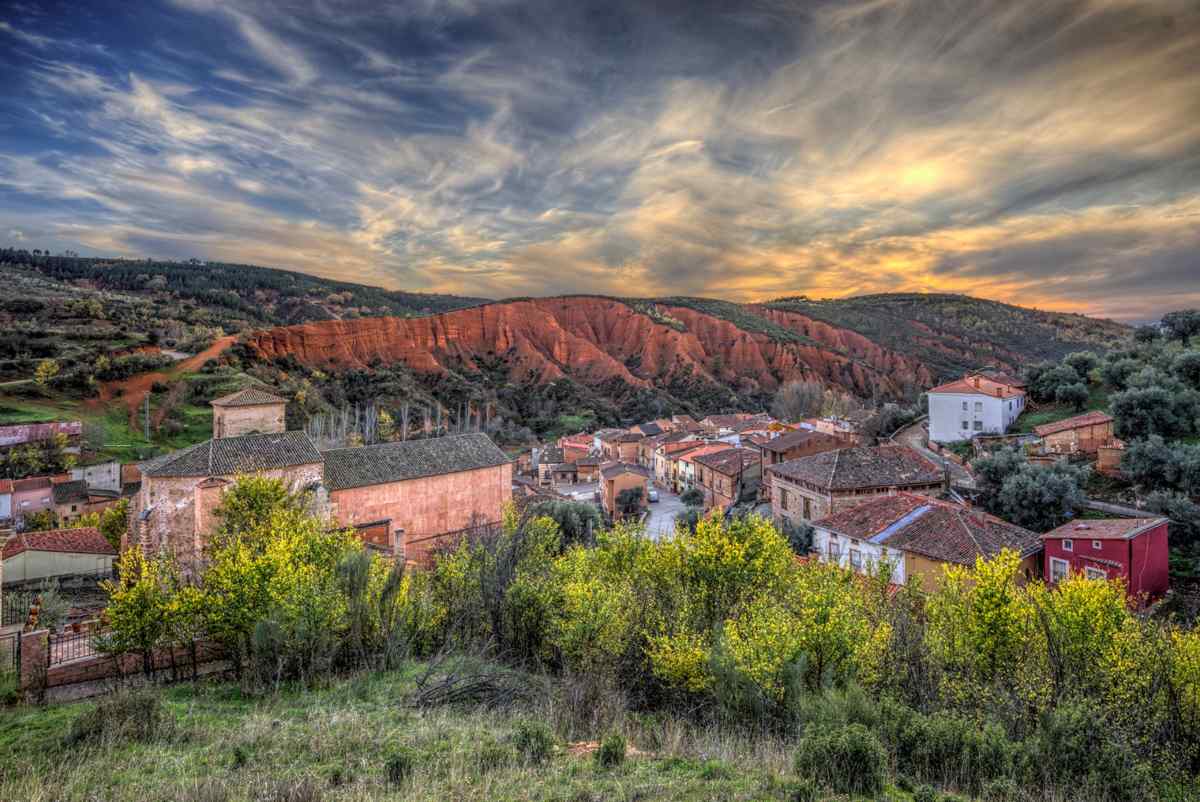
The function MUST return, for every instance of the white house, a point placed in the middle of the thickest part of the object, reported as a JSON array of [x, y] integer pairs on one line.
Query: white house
[[972, 405]]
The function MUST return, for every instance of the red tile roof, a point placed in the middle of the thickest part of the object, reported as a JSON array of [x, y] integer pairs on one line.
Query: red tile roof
[[862, 467], [1086, 419], [32, 483], [6, 486], [940, 530], [729, 461], [979, 385], [85, 540], [1104, 529]]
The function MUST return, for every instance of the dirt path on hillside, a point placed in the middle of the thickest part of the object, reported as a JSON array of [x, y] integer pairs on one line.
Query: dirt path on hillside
[[133, 391]]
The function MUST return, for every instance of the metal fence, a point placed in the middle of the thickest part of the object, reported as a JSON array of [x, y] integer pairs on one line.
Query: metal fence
[[71, 646], [14, 608], [10, 652]]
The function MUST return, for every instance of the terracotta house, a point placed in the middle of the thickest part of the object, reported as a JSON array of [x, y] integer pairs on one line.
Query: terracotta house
[[248, 411], [620, 446], [587, 469], [917, 536], [1131, 549], [575, 446], [1081, 434], [648, 447], [726, 477], [814, 487], [22, 434], [665, 456], [33, 556], [75, 498], [421, 490], [31, 495], [618, 477], [685, 469]]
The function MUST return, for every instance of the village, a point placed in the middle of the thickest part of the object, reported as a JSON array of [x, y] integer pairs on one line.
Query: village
[[902, 502]]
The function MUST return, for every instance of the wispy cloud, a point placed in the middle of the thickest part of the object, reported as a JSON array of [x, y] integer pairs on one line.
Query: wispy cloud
[[1043, 153]]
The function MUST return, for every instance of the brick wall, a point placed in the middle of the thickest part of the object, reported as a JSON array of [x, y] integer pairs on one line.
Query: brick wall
[[90, 676]]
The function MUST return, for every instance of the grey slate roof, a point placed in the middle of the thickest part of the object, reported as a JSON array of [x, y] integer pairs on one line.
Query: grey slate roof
[[229, 456], [852, 468], [413, 459], [250, 396], [66, 492]]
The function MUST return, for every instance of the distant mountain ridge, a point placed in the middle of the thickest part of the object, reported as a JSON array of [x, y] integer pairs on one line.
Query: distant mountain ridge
[[691, 353]]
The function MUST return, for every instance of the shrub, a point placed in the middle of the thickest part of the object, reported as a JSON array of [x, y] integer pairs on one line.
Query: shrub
[[491, 755], [849, 760], [303, 790], [715, 770], [399, 766], [925, 793], [135, 716], [802, 790], [533, 741], [611, 752]]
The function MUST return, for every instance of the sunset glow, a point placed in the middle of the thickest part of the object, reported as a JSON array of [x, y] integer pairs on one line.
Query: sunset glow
[[1041, 153]]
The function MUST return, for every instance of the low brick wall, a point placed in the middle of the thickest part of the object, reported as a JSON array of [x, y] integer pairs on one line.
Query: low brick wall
[[91, 676]]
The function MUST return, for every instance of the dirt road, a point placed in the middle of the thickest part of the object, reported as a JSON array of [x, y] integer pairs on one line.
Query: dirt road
[[133, 391]]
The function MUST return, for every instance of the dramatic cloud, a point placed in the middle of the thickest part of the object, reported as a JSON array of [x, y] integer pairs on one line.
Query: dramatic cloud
[[1040, 152]]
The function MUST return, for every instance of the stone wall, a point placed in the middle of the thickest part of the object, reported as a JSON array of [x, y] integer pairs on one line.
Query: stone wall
[[173, 518], [256, 418], [429, 506]]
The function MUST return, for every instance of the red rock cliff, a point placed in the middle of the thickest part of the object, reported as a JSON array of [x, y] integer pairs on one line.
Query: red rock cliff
[[595, 340]]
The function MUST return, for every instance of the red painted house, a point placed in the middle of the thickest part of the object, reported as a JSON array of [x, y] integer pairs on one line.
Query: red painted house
[[1132, 549]]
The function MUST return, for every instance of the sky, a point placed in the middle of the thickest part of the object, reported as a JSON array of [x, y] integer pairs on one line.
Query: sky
[[1040, 152]]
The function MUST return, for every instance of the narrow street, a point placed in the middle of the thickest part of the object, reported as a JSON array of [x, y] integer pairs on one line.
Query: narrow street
[[915, 435]]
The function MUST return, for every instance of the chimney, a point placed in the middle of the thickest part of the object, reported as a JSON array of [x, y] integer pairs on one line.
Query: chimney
[[975, 380]]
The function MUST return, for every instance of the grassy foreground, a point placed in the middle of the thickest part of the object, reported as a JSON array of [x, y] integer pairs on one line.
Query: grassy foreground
[[337, 742]]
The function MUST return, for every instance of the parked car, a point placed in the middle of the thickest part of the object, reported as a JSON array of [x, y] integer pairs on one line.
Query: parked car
[[653, 496]]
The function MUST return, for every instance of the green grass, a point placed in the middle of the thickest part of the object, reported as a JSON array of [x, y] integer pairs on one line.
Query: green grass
[[336, 740], [1097, 400]]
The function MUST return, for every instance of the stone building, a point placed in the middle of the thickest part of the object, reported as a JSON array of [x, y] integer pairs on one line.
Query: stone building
[[726, 477], [174, 510], [805, 489], [248, 411], [400, 497], [419, 491], [1081, 434]]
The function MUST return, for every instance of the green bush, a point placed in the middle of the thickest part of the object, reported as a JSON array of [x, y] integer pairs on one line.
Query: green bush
[[491, 755], [134, 716], [802, 790], [611, 752], [925, 793], [849, 760], [399, 766], [534, 741]]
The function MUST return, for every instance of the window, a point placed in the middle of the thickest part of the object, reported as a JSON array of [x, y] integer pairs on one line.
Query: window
[[979, 406], [1095, 573], [965, 426], [783, 502], [835, 551], [1059, 569], [979, 426], [807, 508], [964, 406], [856, 561], [1068, 545], [1097, 545]]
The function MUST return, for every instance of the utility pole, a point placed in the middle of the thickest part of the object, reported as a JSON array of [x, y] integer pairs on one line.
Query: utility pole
[[146, 417]]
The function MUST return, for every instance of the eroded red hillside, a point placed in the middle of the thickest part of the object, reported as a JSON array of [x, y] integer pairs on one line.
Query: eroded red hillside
[[597, 340]]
